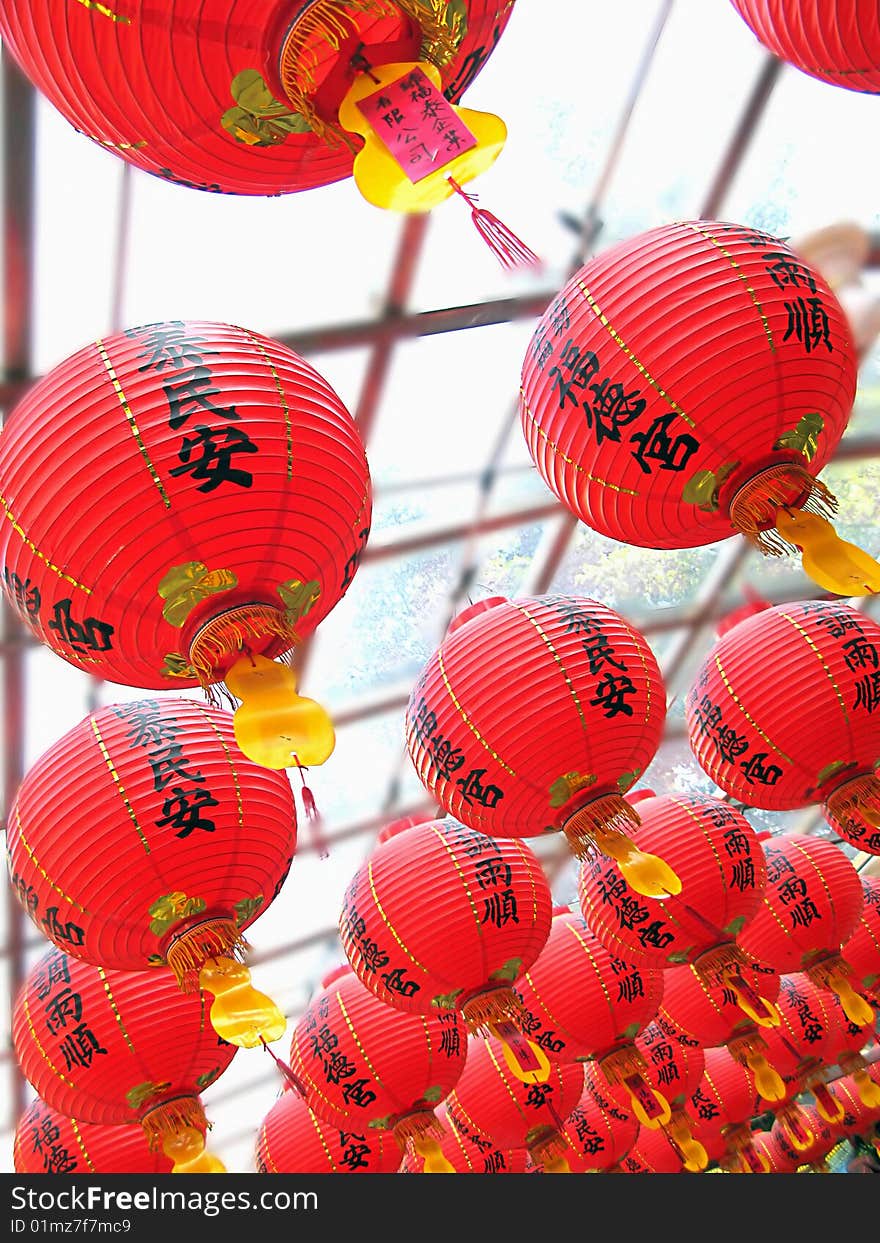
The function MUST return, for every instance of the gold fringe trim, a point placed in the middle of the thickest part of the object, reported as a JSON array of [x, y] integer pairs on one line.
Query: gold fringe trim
[[849, 1063], [173, 1116], [828, 969], [191, 949], [234, 631], [715, 962], [755, 505], [440, 41], [420, 1125], [857, 799], [547, 1146], [737, 1136], [742, 1047], [497, 1005], [609, 815], [622, 1064]]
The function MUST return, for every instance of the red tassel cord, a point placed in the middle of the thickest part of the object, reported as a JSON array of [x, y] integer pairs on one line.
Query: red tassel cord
[[313, 815], [508, 249], [295, 1082]]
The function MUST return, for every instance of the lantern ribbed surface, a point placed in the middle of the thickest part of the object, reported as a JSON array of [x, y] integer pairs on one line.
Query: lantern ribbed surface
[[581, 1001], [817, 743], [111, 1046], [811, 904], [824, 1137], [366, 1065], [708, 1013], [722, 1103], [672, 1065], [651, 1153], [47, 1142], [801, 1044], [575, 666], [213, 492], [143, 821], [599, 1132], [862, 950], [194, 90], [858, 1118], [766, 1145], [469, 1152], [837, 41], [293, 1140], [441, 917], [675, 367], [489, 1100], [717, 856]]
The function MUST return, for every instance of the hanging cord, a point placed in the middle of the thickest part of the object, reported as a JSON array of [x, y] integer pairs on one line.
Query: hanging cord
[[508, 249]]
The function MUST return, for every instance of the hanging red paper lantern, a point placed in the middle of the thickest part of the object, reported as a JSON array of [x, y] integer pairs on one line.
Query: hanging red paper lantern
[[674, 1066], [582, 1002], [145, 838], [652, 1152], [599, 1132], [848, 1047], [856, 1116], [469, 1152], [690, 383], [116, 1047], [241, 507], [363, 1065], [771, 1154], [442, 918], [814, 745], [811, 906], [293, 1140], [836, 41], [596, 708], [490, 1100], [862, 950], [721, 1108], [47, 1142], [717, 856], [709, 1015], [823, 1138], [401, 825]]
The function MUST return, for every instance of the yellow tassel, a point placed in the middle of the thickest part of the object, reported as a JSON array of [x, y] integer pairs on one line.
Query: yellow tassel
[[756, 503], [227, 635], [191, 949], [601, 824], [715, 963]]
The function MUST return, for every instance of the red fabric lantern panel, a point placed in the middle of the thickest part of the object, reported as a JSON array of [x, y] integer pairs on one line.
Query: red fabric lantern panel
[[651, 1153], [441, 918], [811, 906], [814, 744], [722, 1107], [709, 1015], [469, 1152], [862, 950], [669, 393], [212, 93], [585, 673], [717, 855], [582, 1002], [47, 1142], [599, 1132], [368, 1067], [800, 1045], [237, 478], [144, 837], [836, 41], [857, 1117], [115, 1047], [771, 1154], [491, 1101], [293, 1140], [823, 1138]]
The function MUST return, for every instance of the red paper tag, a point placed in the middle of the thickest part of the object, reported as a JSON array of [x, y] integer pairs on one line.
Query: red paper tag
[[644, 1096], [416, 124], [518, 1045]]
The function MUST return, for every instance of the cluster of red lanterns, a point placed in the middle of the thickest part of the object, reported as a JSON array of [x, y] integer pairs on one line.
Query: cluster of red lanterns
[[712, 975]]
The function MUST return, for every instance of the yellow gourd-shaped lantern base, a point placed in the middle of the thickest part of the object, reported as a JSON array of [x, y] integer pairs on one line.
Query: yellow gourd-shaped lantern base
[[856, 1009], [274, 726], [693, 1155], [557, 1165], [768, 1081], [526, 1060], [239, 1013], [831, 562], [648, 874], [600, 825], [868, 1090], [377, 174], [186, 1148], [798, 1131], [434, 1161]]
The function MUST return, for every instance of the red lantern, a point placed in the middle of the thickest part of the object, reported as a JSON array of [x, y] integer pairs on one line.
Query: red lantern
[[145, 838], [823, 1139], [599, 1132], [708, 1015], [293, 1140], [856, 1117], [591, 681], [116, 1047], [674, 1067], [817, 743], [491, 1101], [836, 41], [848, 1047], [244, 481], [364, 1065], [721, 1108], [582, 1002], [811, 906], [47, 1142], [470, 1153], [862, 950], [442, 918], [771, 1154], [670, 394], [717, 855], [653, 1152]]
